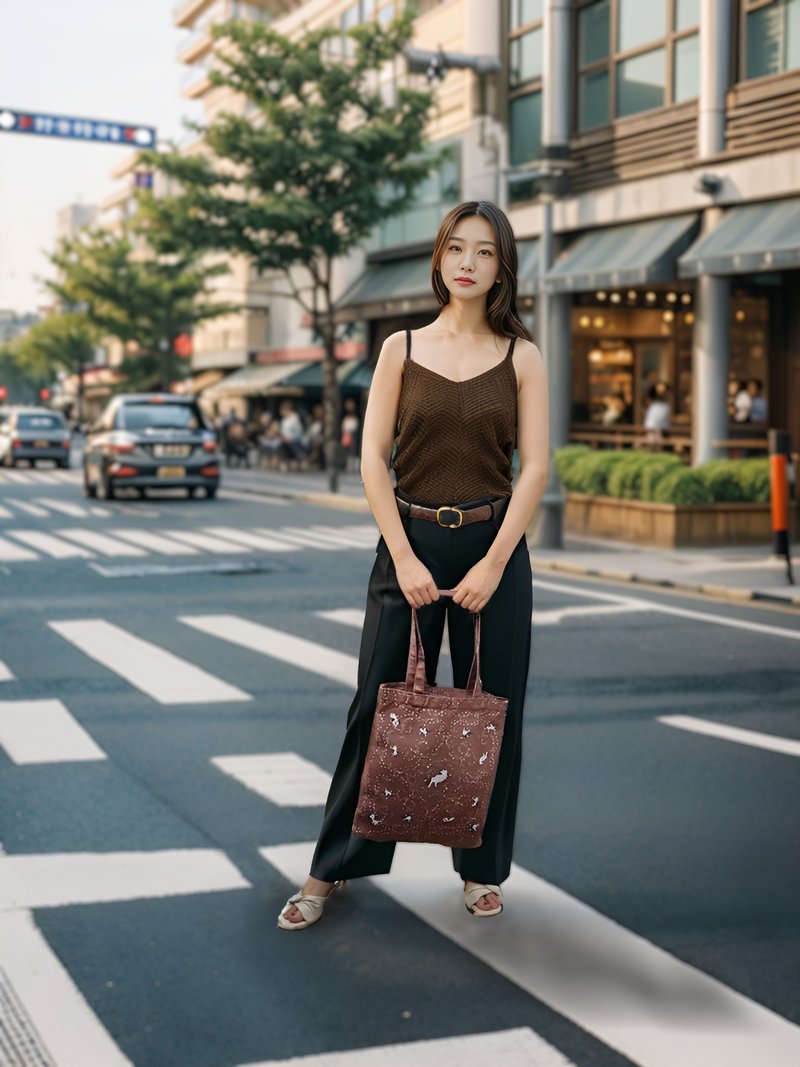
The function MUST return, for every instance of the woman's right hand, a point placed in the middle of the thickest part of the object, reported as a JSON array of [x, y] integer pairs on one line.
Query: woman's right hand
[[416, 582]]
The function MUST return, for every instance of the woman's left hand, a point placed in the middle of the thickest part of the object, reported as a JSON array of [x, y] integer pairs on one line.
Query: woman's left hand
[[475, 589]]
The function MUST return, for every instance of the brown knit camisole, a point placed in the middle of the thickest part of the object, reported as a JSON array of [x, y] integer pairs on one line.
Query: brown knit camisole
[[455, 440]]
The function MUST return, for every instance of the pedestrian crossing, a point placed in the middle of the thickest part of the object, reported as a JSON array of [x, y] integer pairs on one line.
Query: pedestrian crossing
[[52, 476], [26, 545]]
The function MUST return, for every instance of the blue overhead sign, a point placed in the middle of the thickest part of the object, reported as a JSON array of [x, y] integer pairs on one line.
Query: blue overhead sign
[[77, 129]]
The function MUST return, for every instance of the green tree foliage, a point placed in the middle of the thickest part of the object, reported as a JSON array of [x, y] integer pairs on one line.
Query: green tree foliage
[[21, 383], [316, 160]]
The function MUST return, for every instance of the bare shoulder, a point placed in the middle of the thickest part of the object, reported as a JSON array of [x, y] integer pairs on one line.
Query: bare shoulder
[[528, 360], [389, 366]]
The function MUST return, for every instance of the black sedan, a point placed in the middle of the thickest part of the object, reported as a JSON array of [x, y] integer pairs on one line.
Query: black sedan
[[150, 440], [34, 434]]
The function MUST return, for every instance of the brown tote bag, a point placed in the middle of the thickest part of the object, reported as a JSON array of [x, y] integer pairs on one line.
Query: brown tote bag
[[432, 756]]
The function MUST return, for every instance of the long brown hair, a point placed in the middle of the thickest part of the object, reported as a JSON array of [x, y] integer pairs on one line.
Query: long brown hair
[[501, 300]]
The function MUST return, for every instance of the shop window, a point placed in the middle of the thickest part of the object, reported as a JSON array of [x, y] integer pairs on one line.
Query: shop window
[[771, 34], [628, 75]]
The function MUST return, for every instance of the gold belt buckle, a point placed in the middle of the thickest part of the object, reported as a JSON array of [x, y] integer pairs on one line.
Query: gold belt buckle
[[451, 525]]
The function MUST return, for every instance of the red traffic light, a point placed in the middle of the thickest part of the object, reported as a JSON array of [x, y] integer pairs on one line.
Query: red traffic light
[[44, 393], [3, 392]]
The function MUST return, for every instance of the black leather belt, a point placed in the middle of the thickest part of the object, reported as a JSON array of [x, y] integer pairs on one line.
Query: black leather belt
[[452, 516]]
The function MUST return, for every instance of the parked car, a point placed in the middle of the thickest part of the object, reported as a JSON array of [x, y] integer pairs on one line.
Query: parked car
[[34, 433], [150, 440]]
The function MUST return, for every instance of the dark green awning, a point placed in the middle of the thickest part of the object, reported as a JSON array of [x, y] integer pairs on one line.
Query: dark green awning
[[310, 376], [636, 253], [753, 237]]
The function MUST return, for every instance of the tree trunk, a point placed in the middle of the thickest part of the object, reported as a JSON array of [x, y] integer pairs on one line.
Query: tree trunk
[[331, 402]]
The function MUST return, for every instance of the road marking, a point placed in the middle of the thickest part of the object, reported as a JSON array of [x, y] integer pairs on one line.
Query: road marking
[[106, 546], [343, 538], [5, 673], [346, 616], [29, 509], [668, 609], [156, 672], [284, 778], [367, 534], [558, 615], [785, 745], [255, 498], [629, 993], [17, 477], [303, 537], [6, 514], [251, 540], [207, 543], [11, 553], [154, 542], [61, 1018], [521, 1047], [57, 879], [75, 511], [51, 546], [43, 731], [307, 655], [100, 513]]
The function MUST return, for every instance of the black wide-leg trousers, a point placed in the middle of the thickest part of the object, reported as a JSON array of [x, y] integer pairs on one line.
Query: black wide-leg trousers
[[504, 658]]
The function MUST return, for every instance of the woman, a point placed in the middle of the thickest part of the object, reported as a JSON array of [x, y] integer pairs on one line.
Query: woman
[[473, 386]]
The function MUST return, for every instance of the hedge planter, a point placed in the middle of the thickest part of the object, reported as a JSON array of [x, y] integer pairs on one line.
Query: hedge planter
[[671, 525]]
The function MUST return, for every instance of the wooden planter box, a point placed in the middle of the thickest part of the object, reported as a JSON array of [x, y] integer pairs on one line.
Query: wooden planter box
[[671, 525]]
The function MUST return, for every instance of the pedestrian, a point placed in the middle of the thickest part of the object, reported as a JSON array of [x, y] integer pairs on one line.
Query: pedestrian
[[450, 521], [742, 404], [758, 403], [349, 433], [292, 433], [658, 417]]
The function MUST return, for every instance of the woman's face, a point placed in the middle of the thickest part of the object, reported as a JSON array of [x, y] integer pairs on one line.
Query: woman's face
[[470, 252]]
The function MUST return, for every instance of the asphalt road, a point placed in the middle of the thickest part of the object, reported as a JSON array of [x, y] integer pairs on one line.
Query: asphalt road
[[174, 680]]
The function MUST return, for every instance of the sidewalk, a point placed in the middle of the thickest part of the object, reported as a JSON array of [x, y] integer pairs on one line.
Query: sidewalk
[[740, 573]]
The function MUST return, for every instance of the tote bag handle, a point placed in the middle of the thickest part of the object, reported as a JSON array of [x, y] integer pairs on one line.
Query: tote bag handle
[[415, 671]]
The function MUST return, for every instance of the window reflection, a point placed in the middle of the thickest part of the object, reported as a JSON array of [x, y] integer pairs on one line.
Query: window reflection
[[640, 83]]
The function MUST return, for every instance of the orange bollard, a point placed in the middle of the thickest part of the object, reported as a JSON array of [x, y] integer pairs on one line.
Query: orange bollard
[[780, 449]]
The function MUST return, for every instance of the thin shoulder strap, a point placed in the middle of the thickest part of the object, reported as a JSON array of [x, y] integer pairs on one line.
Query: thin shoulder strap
[[511, 347], [408, 344]]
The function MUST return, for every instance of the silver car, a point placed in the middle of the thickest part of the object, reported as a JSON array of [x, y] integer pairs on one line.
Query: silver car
[[33, 434]]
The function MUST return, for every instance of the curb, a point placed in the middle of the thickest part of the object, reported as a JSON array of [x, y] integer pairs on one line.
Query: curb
[[332, 500], [718, 592]]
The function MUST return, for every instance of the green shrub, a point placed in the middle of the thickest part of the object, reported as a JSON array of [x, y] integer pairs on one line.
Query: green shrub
[[565, 459], [590, 473], [681, 486], [720, 478], [627, 477], [652, 474], [753, 476]]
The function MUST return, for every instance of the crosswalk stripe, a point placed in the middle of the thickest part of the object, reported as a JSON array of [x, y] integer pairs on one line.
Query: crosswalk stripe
[[651, 1007], [284, 778], [101, 513], [5, 673], [75, 511], [18, 478], [251, 540], [43, 731], [207, 543], [153, 541], [54, 880], [346, 616], [786, 745], [368, 534], [6, 514], [28, 508], [558, 615], [71, 1033], [47, 477], [521, 1047], [333, 536], [102, 543], [308, 655], [11, 553], [315, 540], [163, 676], [51, 546]]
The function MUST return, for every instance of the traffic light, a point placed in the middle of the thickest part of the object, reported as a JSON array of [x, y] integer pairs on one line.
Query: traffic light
[[44, 393], [3, 392]]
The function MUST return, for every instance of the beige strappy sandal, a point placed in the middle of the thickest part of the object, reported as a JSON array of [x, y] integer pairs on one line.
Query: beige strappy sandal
[[473, 895], [310, 907]]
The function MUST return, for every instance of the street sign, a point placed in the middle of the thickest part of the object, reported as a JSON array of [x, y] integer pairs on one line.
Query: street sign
[[77, 129]]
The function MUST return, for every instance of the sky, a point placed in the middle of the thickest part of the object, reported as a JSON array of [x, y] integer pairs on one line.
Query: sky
[[86, 58]]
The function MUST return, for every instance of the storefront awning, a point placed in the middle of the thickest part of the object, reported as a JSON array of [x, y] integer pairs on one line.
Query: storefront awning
[[636, 253], [753, 237], [311, 374], [257, 379]]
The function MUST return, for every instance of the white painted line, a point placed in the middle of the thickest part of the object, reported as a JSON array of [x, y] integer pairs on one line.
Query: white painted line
[[346, 616], [100, 513], [11, 553], [368, 535], [156, 672], [70, 1032], [771, 742], [56, 879], [18, 478], [251, 540], [521, 1047], [206, 543], [29, 509], [307, 655], [302, 536], [668, 609], [75, 511], [154, 542], [5, 673], [255, 498], [6, 514], [47, 477], [106, 546], [558, 615], [343, 538], [629, 993], [43, 731], [51, 546], [284, 778]]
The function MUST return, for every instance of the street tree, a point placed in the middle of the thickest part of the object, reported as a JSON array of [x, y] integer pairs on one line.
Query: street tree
[[315, 159], [63, 341], [127, 287]]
